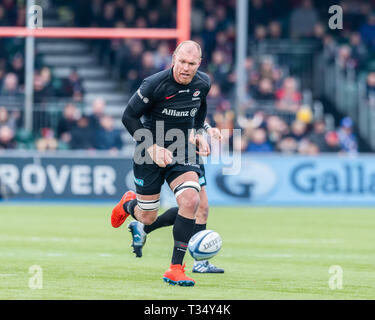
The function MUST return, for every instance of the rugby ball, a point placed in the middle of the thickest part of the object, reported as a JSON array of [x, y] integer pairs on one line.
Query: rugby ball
[[204, 244]]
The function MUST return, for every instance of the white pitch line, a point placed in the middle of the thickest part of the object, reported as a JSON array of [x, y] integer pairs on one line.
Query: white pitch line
[[55, 254], [39, 239], [105, 255], [310, 241]]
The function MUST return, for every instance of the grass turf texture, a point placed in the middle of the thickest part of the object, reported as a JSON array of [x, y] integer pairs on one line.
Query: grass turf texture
[[267, 253]]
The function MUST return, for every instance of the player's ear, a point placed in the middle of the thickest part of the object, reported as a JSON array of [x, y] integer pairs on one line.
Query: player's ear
[[199, 62]]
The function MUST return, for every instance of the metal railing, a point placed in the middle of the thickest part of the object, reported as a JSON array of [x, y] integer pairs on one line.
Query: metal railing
[[299, 56], [347, 90]]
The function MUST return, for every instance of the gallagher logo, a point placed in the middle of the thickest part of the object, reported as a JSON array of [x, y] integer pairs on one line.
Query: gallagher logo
[[255, 181]]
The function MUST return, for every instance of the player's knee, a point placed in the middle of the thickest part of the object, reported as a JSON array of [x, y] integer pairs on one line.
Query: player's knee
[[149, 217], [189, 200], [203, 208]]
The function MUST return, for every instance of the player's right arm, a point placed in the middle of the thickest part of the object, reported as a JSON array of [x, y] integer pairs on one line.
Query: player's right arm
[[141, 102]]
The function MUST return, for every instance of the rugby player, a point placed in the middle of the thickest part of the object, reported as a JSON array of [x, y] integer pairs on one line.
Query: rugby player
[[140, 231], [175, 97]]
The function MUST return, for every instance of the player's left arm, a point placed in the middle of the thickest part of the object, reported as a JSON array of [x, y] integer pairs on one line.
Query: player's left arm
[[199, 120]]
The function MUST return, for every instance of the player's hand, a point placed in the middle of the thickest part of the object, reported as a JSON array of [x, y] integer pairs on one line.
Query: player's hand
[[161, 156], [215, 133], [203, 146]]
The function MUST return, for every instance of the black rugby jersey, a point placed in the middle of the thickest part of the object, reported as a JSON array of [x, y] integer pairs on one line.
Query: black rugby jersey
[[161, 98]]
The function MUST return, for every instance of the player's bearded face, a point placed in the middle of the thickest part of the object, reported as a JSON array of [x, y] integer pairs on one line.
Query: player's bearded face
[[185, 66]]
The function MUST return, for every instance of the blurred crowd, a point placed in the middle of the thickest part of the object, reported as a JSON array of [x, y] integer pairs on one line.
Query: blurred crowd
[[75, 130], [274, 115]]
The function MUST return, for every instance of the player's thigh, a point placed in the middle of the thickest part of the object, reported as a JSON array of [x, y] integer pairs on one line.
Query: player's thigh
[[186, 189], [148, 206], [148, 179]]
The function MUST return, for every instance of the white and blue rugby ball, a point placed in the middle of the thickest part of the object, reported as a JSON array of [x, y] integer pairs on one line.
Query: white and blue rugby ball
[[204, 244]]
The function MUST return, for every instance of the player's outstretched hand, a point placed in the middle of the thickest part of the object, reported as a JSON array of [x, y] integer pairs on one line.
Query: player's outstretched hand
[[203, 146], [215, 133], [161, 156]]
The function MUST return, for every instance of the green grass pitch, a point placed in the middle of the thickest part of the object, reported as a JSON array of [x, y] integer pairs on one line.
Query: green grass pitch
[[267, 253]]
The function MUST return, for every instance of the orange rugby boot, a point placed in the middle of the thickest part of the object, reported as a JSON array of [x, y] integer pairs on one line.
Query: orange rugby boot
[[176, 275], [118, 213]]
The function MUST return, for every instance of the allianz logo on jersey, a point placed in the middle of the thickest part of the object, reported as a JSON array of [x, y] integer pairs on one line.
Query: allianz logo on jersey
[[177, 113]]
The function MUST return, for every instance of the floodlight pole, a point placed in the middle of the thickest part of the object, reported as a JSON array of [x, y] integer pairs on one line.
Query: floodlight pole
[[29, 73], [241, 50]]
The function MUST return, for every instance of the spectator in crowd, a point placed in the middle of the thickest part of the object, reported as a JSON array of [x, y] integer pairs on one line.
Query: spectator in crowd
[[319, 33], [214, 28], [162, 57], [303, 20], [304, 114], [367, 31], [317, 136], [46, 77], [216, 101], [275, 30], [7, 140], [197, 19], [359, 51], [2, 70], [224, 45], [67, 123], [287, 145], [277, 129], [47, 141], [97, 111], [265, 90], [73, 86], [209, 35], [147, 67], [3, 17], [82, 135], [370, 87], [298, 130], [347, 139], [221, 15], [308, 148], [129, 15], [344, 59], [260, 33], [39, 89], [220, 69], [332, 142], [129, 59], [6, 119], [10, 86], [258, 141], [17, 67], [258, 14], [108, 138], [288, 97]]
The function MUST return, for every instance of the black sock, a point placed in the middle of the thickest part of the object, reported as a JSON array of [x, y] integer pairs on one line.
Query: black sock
[[129, 207], [164, 220], [182, 231], [199, 227]]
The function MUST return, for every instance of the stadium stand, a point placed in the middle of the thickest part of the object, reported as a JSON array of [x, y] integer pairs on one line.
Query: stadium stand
[[289, 70]]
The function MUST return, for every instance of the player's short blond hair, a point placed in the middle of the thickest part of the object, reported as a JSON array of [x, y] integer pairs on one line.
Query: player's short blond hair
[[196, 44]]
